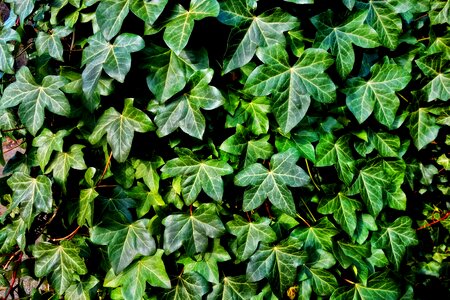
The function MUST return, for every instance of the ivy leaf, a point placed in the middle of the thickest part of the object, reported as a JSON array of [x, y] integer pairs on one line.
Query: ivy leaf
[[11, 235], [184, 112], [233, 287], [83, 290], [318, 236], [133, 279], [395, 238], [192, 231], [272, 183], [388, 145], [34, 98], [6, 57], [51, 43], [114, 59], [197, 175], [444, 161], [120, 128], [147, 171], [278, 264], [340, 38], [439, 12], [378, 93], [434, 66], [62, 261], [250, 234], [422, 127], [34, 195], [190, 286], [181, 22], [86, 206], [250, 32], [349, 3], [125, 241], [343, 209], [254, 113], [291, 86], [22, 8], [207, 264], [47, 142], [323, 282], [64, 161], [110, 14]]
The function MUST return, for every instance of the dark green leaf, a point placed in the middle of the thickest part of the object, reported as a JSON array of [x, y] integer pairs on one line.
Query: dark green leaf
[[318, 236], [233, 288], [189, 286]]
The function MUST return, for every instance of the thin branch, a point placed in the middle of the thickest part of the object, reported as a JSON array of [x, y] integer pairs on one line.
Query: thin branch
[[24, 49], [11, 259], [67, 237], [268, 211], [310, 175], [248, 217], [424, 39], [105, 169], [435, 221], [14, 276], [401, 96], [13, 129]]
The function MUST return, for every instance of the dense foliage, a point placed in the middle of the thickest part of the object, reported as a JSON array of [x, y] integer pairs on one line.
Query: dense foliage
[[225, 149]]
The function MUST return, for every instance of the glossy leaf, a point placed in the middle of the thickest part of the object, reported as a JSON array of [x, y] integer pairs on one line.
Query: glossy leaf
[[47, 142], [318, 236], [435, 67], [233, 287], [6, 58], [422, 128], [51, 43], [83, 290], [189, 286], [386, 22]]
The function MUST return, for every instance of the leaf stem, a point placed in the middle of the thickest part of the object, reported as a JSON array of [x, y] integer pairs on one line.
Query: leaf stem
[[424, 39], [309, 211], [268, 210], [304, 221], [105, 169], [13, 129], [248, 217], [435, 221], [67, 237], [14, 277], [401, 96], [190, 210], [349, 281], [24, 49], [310, 175]]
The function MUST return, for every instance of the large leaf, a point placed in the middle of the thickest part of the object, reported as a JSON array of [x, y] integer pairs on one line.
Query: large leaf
[[181, 22], [83, 290], [33, 98], [125, 241], [51, 43], [378, 93], [11, 235], [198, 175], [340, 38], [422, 127], [189, 286], [291, 86], [439, 13], [254, 113], [251, 32], [317, 236], [133, 279], [192, 230], [114, 59], [120, 128], [62, 261], [250, 234], [395, 238], [233, 288], [272, 183], [47, 142], [437, 68]]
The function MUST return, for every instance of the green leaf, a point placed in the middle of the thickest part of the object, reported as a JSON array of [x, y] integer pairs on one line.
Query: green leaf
[[192, 231], [388, 145], [47, 142], [233, 288], [254, 113], [434, 66], [22, 8], [33, 195], [323, 282], [114, 59], [86, 206], [318, 236], [190, 286], [11, 235], [149, 11], [83, 290], [125, 241], [62, 261], [278, 264], [120, 128], [444, 161], [395, 238], [340, 38], [181, 22], [439, 12], [250, 234], [272, 183], [198, 175], [64, 161], [51, 43], [6, 58], [349, 3], [343, 209], [291, 86], [207, 265], [133, 279], [422, 127], [378, 93], [33, 98], [251, 32]]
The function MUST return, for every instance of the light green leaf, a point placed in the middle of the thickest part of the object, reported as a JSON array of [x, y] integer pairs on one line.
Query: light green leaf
[[291, 86], [83, 290], [439, 12], [146, 199], [422, 127], [250, 234], [444, 161], [47, 142], [181, 22], [51, 43], [251, 32], [114, 59], [192, 231], [147, 171], [395, 238], [62, 261], [149, 11], [436, 67], [120, 128], [6, 58], [11, 235], [365, 223], [125, 241], [254, 113], [233, 288], [33, 195], [388, 145], [318, 236], [343, 209], [349, 3], [33, 99], [22, 8], [86, 206], [323, 282], [272, 183], [340, 38], [378, 93], [133, 279], [189, 286]]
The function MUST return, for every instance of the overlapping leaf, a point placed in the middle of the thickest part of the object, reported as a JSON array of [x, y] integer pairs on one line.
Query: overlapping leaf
[[83, 290], [189, 286], [47, 142], [233, 287], [317, 236], [6, 58], [422, 127], [272, 183], [254, 113], [51, 43], [291, 86], [437, 68]]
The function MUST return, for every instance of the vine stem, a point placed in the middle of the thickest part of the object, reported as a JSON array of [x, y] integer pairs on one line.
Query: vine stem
[[105, 169], [13, 129], [310, 175], [435, 221], [24, 49], [304, 221], [14, 277], [67, 237]]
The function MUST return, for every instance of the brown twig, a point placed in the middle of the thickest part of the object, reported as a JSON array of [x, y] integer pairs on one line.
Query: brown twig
[[10, 259], [24, 49], [67, 237], [190, 210], [13, 129], [105, 169], [248, 217], [268, 210], [435, 221], [14, 277]]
